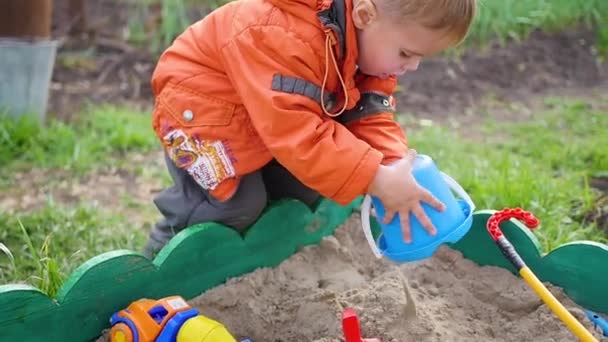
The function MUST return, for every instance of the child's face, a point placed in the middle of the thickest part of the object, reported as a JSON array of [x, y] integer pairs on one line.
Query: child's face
[[386, 48]]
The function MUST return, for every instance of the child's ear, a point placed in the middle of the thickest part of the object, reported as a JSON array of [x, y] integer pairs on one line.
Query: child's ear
[[364, 13]]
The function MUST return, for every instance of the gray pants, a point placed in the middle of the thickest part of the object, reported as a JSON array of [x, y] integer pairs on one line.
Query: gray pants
[[185, 203]]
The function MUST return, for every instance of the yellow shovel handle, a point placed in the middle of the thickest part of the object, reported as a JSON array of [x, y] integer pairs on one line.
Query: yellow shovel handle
[[571, 322]]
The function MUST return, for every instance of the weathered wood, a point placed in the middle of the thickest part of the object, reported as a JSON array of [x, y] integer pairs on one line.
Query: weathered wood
[[26, 314], [26, 18]]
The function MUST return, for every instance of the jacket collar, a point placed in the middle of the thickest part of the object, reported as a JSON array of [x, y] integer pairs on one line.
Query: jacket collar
[[337, 21], [341, 44]]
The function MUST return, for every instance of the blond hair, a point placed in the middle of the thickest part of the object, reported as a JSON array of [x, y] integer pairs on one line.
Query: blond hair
[[453, 16]]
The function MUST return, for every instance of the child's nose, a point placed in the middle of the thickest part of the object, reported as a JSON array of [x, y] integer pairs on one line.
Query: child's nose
[[412, 64]]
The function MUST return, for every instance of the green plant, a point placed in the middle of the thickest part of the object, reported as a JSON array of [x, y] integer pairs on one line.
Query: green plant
[[602, 41], [530, 165], [516, 19], [496, 19], [9, 254], [45, 245], [97, 135], [48, 276]]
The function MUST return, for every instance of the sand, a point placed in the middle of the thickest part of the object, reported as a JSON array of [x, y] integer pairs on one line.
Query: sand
[[302, 299], [456, 300]]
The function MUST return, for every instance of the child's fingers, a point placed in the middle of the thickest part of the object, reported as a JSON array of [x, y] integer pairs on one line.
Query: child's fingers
[[424, 220], [427, 197], [404, 218], [404, 164], [411, 155], [388, 216]]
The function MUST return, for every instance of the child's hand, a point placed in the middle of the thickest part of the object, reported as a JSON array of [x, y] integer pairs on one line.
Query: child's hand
[[399, 192]]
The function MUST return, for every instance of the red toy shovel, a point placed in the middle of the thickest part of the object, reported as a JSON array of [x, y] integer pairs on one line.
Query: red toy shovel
[[350, 326]]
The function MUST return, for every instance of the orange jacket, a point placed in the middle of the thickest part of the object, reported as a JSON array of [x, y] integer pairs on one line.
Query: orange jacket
[[245, 85]]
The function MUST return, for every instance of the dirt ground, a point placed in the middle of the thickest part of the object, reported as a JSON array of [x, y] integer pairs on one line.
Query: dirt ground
[[444, 90], [105, 68], [101, 67], [541, 65]]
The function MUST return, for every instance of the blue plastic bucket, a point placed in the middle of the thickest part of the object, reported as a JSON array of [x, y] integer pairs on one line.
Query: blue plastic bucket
[[451, 224]]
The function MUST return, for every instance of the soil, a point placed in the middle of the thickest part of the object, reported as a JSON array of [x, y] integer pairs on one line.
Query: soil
[[102, 67], [99, 66], [544, 64], [121, 191]]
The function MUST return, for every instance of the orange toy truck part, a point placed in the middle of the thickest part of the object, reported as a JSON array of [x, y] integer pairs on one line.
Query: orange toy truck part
[[149, 318]]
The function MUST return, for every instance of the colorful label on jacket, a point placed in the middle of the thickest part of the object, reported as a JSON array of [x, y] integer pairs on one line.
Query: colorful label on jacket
[[206, 161]]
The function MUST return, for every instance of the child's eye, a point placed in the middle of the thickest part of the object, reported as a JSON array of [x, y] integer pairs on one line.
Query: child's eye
[[404, 54]]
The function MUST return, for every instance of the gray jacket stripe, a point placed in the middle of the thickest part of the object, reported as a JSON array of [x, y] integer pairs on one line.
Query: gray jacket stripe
[[369, 104], [293, 85]]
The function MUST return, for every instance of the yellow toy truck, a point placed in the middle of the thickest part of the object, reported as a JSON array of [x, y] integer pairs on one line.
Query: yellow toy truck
[[169, 319]]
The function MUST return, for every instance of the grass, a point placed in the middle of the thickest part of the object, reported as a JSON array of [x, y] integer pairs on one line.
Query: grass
[[543, 166], [42, 247], [497, 19], [95, 138], [516, 19]]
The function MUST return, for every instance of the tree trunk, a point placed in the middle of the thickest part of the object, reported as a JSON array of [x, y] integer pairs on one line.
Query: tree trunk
[[77, 14], [26, 18]]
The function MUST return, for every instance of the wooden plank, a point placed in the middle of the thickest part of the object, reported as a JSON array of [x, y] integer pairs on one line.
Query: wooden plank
[[92, 291], [26, 314], [26, 18]]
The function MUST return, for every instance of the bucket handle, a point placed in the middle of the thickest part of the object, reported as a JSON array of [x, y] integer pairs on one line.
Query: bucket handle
[[367, 204]]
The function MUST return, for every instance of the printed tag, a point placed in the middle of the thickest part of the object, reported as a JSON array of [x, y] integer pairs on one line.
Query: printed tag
[[206, 161]]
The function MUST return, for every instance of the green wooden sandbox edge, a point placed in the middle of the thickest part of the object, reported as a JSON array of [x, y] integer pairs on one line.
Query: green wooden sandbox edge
[[195, 260], [111, 281]]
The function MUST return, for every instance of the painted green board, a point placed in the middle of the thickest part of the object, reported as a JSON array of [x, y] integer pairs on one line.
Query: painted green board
[[197, 259], [205, 256], [580, 268]]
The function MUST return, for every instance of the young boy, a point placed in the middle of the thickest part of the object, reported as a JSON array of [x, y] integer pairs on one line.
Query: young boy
[[264, 99]]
